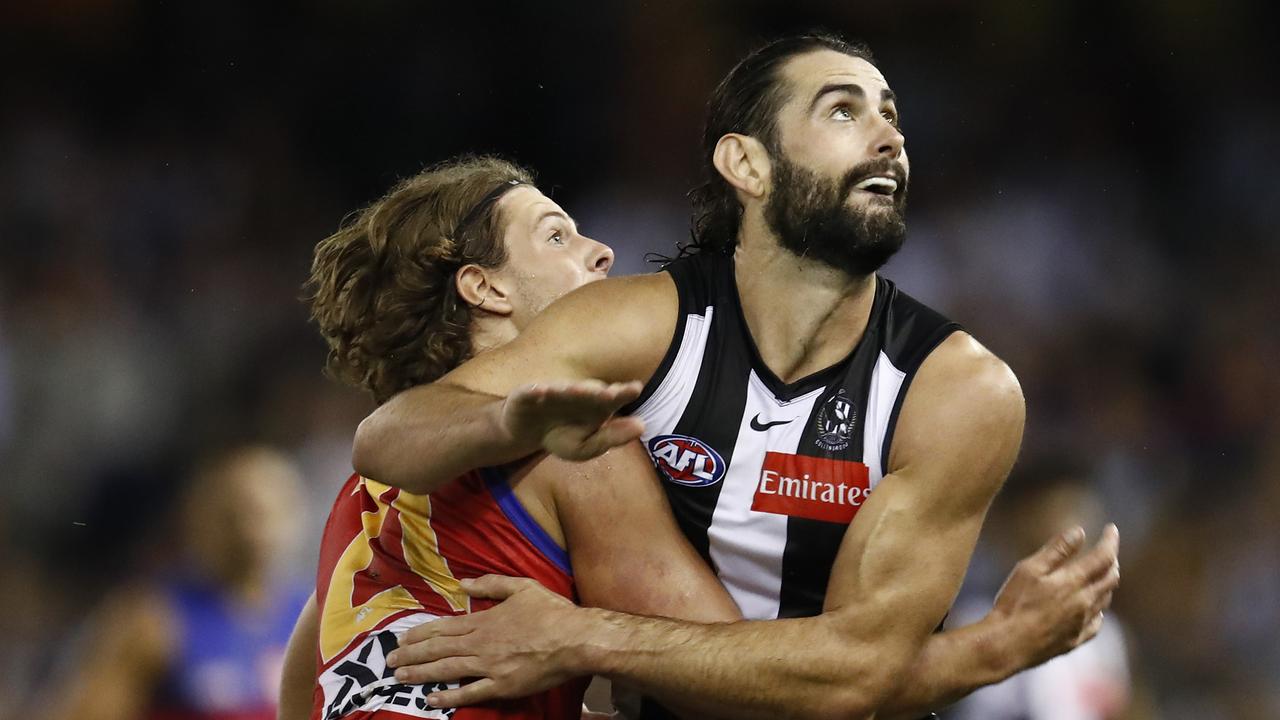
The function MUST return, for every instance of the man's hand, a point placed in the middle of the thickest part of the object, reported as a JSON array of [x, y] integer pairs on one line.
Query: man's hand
[[516, 648], [1053, 600], [573, 420]]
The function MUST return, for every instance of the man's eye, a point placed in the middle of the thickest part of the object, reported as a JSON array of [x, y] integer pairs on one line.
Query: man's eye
[[556, 238], [841, 113]]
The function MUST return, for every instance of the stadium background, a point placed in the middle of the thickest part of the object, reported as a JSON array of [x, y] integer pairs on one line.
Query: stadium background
[[1095, 194]]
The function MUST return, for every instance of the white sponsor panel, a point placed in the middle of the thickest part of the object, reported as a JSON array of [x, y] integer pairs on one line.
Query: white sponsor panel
[[361, 680], [745, 544]]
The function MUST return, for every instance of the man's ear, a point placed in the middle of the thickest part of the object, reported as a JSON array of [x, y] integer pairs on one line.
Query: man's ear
[[480, 291], [744, 163]]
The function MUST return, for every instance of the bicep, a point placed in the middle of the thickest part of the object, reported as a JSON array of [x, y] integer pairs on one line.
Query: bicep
[[614, 330], [627, 552], [958, 435]]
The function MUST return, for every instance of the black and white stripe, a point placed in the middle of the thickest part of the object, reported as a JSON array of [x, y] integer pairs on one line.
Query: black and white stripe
[[712, 386]]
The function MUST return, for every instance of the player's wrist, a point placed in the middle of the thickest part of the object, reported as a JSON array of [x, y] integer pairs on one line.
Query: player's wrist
[[598, 638], [1005, 647], [512, 436]]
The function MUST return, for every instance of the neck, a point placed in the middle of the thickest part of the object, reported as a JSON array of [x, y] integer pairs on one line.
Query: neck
[[489, 332], [803, 315]]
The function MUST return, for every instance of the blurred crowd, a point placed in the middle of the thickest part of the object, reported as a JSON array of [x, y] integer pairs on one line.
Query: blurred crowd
[[1094, 196]]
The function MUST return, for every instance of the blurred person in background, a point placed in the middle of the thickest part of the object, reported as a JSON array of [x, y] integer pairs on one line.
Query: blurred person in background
[[1092, 682], [206, 640]]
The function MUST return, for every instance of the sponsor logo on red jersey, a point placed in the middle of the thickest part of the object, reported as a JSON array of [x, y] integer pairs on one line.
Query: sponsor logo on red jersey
[[686, 460], [809, 487]]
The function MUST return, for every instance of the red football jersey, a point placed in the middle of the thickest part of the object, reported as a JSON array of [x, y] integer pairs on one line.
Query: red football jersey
[[390, 560]]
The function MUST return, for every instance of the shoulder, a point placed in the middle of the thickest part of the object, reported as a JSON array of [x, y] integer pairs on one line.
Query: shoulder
[[561, 494], [963, 415], [963, 375], [607, 476]]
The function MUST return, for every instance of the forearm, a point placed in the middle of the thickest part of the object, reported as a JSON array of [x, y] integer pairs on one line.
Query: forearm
[[298, 677], [810, 667], [950, 666], [426, 436]]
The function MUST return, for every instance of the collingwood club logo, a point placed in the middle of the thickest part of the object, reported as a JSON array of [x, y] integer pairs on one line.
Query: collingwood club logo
[[834, 424]]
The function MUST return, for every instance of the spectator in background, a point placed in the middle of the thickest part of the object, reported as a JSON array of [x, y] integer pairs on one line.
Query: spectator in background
[[206, 640], [1088, 683]]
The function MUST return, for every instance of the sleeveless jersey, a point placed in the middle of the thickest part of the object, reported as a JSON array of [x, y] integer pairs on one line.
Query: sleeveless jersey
[[390, 560], [229, 658], [765, 476]]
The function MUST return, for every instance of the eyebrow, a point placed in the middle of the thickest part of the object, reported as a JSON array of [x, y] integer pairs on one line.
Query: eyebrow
[[553, 213], [886, 95]]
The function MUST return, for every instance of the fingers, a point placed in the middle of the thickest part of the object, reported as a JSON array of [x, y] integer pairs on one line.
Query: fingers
[[615, 432], [429, 651], [482, 690], [494, 587], [572, 443], [444, 670], [1090, 630], [1059, 550], [1099, 561], [445, 626]]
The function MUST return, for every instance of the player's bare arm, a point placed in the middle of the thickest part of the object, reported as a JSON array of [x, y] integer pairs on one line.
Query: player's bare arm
[[556, 387], [298, 677], [624, 546], [898, 570], [1051, 603], [626, 550]]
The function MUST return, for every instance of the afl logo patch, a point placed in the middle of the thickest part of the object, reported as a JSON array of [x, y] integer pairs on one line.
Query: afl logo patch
[[834, 424], [686, 460]]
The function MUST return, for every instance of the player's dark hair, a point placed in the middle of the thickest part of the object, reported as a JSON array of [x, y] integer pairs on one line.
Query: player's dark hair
[[747, 102], [382, 288]]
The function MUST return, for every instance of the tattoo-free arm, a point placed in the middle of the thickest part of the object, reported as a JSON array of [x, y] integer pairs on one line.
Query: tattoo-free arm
[[555, 386], [1051, 603], [298, 678], [897, 571], [627, 552]]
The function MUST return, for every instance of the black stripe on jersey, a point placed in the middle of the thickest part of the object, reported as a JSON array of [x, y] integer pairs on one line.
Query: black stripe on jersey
[[713, 415], [673, 349], [812, 545], [915, 331]]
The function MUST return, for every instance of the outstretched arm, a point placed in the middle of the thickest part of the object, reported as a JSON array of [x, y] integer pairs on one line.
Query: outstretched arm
[[556, 387], [898, 570]]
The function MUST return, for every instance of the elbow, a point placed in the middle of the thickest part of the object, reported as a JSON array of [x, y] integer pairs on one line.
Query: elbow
[[373, 456], [363, 449]]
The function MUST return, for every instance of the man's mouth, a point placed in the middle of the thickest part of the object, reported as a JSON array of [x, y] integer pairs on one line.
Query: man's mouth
[[878, 185]]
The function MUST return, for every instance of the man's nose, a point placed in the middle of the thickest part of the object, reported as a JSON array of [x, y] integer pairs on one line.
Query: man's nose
[[601, 258], [890, 140]]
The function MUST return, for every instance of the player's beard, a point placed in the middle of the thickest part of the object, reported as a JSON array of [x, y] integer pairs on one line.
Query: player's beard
[[812, 217]]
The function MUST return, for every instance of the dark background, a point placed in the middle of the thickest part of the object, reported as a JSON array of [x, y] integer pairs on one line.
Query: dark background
[[1094, 195]]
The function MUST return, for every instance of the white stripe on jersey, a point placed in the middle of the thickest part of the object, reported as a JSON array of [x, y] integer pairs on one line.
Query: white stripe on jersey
[[664, 407], [886, 383], [746, 545]]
